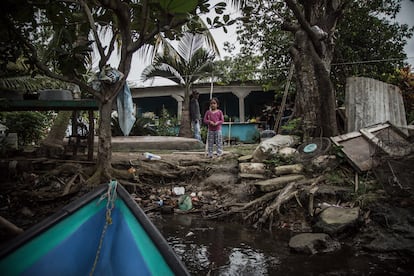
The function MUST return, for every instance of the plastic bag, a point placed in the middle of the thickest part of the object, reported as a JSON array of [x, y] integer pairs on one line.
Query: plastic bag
[[185, 203]]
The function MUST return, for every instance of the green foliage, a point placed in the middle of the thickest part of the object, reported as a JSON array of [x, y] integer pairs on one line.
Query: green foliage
[[260, 32], [375, 38], [141, 127], [184, 64], [164, 126], [294, 127], [335, 178], [239, 68], [30, 84], [167, 125], [280, 160], [203, 132], [404, 79], [337, 151], [31, 127], [373, 51], [108, 26]]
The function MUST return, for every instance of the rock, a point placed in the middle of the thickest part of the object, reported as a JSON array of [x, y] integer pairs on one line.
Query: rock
[[272, 146], [389, 242], [288, 152], [252, 168], [245, 158], [335, 220], [274, 184], [312, 243]]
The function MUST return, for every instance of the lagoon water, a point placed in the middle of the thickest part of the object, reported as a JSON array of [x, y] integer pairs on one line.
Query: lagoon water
[[226, 248]]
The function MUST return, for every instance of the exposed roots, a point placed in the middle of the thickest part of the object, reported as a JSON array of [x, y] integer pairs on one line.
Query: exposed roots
[[266, 209]]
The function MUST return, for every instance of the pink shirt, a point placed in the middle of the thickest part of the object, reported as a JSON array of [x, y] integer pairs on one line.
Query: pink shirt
[[214, 116]]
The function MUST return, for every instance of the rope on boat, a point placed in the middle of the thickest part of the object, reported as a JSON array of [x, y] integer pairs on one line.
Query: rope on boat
[[110, 195]]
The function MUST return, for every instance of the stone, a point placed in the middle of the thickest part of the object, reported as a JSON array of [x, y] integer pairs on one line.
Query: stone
[[336, 220], [252, 168], [271, 146], [312, 243]]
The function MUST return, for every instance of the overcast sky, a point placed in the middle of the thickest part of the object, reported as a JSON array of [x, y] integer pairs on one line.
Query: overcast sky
[[405, 16]]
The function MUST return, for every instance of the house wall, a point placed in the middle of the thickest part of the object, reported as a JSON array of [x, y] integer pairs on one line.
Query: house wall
[[239, 102]]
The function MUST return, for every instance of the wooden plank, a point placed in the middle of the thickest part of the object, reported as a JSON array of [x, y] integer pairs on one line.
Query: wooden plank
[[40, 105], [358, 151], [345, 137]]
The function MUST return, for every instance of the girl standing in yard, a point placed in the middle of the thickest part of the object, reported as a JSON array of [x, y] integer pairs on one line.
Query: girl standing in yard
[[214, 119]]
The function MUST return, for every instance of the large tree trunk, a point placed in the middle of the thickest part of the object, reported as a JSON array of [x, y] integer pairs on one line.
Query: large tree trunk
[[52, 145], [103, 172], [312, 55], [185, 123], [104, 155], [315, 99], [58, 129]]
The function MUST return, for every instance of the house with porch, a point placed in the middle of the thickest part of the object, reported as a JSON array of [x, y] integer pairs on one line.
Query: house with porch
[[239, 103]]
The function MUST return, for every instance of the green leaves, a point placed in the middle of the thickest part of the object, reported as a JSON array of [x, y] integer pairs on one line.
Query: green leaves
[[185, 64], [178, 6]]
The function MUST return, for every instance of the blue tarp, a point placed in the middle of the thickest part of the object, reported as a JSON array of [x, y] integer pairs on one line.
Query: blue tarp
[[126, 117], [126, 114]]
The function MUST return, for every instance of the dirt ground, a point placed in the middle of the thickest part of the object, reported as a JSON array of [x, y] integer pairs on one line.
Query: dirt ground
[[33, 188]]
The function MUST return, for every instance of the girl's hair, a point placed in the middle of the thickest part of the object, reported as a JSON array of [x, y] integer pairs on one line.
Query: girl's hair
[[216, 100]]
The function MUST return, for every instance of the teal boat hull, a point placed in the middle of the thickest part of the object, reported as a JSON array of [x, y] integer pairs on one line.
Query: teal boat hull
[[79, 241]]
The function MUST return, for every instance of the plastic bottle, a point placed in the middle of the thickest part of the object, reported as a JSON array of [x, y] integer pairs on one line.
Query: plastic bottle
[[151, 156]]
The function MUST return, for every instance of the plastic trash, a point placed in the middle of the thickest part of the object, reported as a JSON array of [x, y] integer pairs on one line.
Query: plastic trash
[[189, 234], [185, 203], [151, 156], [179, 190]]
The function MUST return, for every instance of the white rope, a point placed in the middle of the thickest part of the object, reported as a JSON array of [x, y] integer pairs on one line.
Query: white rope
[[111, 196]]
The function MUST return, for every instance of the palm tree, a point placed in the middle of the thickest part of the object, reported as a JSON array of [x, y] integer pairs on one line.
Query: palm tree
[[184, 65]]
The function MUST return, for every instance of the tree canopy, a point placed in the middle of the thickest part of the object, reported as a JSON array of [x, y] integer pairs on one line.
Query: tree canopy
[[368, 41], [71, 31]]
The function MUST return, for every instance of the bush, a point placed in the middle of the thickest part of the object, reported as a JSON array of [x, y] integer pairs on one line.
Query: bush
[[140, 128], [167, 125], [31, 127]]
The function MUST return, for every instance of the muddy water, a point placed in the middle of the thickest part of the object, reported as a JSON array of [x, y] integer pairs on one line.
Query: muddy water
[[222, 248]]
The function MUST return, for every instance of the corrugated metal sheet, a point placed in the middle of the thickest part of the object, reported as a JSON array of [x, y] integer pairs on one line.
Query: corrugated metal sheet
[[369, 102]]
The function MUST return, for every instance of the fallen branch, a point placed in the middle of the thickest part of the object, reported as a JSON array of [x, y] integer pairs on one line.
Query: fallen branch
[[69, 184], [311, 199], [261, 199], [288, 192]]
